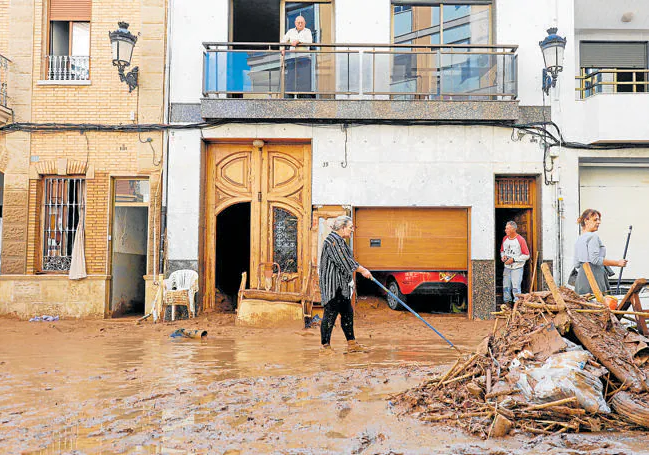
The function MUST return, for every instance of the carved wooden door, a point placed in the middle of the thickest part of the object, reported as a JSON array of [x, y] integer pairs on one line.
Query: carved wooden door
[[276, 180], [285, 205]]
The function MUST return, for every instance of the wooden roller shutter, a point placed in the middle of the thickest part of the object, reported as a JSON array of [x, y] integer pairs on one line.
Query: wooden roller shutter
[[400, 238], [70, 10]]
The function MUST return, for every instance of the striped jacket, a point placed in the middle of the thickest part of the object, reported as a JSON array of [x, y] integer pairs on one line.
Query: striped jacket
[[337, 266]]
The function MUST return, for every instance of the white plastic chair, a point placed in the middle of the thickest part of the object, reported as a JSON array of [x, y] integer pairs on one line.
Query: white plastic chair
[[179, 289]]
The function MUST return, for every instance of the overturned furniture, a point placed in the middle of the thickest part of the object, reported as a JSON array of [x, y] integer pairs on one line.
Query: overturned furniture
[[268, 304]]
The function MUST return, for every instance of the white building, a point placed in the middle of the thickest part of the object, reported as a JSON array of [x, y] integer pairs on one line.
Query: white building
[[385, 128]]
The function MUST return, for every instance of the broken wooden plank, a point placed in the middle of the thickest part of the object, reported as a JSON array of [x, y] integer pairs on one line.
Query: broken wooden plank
[[592, 282], [634, 289], [548, 277], [608, 347]]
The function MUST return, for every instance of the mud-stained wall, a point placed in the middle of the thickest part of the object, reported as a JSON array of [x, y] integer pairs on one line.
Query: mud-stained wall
[[27, 296]]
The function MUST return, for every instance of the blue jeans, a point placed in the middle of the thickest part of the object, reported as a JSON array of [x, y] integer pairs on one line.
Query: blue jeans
[[512, 283]]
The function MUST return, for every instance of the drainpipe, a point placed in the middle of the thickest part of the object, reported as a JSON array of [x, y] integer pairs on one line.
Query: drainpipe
[[165, 157], [560, 233]]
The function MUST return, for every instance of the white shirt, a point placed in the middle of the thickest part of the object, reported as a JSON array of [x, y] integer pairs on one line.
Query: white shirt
[[302, 36]]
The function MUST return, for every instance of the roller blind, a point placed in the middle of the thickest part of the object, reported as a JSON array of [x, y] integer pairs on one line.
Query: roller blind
[[613, 54], [70, 10]]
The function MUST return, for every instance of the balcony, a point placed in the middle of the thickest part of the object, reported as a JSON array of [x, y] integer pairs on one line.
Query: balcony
[[359, 82], [611, 106], [64, 69], [5, 112]]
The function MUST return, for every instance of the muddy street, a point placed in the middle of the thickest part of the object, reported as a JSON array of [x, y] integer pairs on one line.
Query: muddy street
[[110, 386]]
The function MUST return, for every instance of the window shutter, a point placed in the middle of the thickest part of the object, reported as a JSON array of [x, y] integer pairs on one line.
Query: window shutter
[[70, 10], [612, 54]]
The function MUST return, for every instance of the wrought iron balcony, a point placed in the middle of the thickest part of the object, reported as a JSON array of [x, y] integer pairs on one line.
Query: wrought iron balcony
[[360, 72], [67, 68], [4, 71]]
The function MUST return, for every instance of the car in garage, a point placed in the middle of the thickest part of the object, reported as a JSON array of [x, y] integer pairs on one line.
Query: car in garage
[[451, 286]]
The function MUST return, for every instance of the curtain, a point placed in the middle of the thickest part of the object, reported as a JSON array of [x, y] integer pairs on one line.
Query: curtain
[[78, 262]]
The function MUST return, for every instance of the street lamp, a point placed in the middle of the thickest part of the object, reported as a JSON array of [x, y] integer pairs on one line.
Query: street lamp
[[553, 52], [122, 42]]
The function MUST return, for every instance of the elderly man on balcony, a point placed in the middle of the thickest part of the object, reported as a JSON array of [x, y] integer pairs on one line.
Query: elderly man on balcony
[[298, 65]]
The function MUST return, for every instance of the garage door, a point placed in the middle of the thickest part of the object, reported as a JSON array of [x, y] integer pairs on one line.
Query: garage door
[[621, 195], [391, 238]]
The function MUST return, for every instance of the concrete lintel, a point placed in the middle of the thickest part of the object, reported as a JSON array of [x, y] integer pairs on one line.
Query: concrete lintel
[[359, 110]]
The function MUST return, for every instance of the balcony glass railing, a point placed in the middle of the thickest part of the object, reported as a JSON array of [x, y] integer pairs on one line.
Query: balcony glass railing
[[351, 71], [597, 80], [67, 68], [4, 71]]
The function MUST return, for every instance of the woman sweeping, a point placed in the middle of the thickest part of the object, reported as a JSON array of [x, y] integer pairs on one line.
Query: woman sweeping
[[589, 248], [336, 274]]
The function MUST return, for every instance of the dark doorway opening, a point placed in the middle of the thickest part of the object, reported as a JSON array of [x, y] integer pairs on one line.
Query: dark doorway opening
[[255, 21], [233, 248], [523, 218]]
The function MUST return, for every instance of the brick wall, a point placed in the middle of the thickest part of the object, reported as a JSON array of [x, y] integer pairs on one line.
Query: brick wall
[[23, 29]]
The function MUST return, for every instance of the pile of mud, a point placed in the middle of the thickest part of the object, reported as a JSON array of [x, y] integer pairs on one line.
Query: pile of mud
[[548, 367]]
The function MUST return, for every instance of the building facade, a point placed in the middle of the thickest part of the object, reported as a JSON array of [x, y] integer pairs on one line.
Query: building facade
[[80, 187], [402, 105]]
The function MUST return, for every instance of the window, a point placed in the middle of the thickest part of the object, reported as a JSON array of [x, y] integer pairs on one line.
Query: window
[[61, 209], [68, 55], [613, 67], [440, 23], [447, 72]]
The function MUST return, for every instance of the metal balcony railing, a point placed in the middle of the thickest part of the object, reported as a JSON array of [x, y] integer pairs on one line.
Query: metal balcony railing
[[4, 72], [358, 71], [596, 81], [67, 68]]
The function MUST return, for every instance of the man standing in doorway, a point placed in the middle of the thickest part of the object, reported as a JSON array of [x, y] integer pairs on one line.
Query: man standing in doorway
[[298, 65], [514, 254]]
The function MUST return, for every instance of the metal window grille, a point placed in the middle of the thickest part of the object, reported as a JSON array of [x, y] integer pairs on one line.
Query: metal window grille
[[514, 191], [61, 205]]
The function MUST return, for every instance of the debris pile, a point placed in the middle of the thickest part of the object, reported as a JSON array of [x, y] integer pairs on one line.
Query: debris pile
[[554, 363]]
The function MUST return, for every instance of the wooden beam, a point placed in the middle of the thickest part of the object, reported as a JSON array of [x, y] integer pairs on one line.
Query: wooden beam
[[634, 289], [592, 282], [548, 277]]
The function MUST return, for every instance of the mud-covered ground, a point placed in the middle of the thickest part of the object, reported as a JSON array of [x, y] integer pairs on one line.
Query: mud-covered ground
[[104, 387]]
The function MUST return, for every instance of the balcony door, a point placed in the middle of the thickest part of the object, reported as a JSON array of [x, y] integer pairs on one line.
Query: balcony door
[[272, 184]]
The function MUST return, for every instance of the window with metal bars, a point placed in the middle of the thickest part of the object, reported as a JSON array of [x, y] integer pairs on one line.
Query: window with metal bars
[[61, 206]]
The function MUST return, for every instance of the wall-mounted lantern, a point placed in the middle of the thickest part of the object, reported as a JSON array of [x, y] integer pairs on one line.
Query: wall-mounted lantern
[[122, 43], [553, 53]]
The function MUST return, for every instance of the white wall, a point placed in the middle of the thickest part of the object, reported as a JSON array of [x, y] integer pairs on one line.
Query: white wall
[[525, 24], [387, 166], [184, 195], [362, 21], [191, 23]]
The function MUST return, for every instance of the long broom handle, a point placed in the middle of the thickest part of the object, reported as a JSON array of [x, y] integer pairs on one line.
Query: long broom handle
[[620, 273], [417, 315]]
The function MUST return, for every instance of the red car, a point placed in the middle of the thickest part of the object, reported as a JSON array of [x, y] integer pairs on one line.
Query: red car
[[450, 284]]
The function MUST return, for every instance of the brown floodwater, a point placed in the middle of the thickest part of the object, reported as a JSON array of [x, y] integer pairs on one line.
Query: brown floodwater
[[105, 387]]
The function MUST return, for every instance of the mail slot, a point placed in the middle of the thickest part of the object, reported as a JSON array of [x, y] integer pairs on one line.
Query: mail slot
[[375, 243]]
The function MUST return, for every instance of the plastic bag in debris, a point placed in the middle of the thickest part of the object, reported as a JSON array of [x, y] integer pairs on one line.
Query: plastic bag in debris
[[563, 375]]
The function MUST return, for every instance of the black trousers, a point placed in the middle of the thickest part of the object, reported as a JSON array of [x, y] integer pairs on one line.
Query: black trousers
[[338, 305]]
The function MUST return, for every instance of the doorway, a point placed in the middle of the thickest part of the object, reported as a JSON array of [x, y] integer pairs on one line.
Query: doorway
[[515, 200], [258, 196], [233, 248], [128, 246]]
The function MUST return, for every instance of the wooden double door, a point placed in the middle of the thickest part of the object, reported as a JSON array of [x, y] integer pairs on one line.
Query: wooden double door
[[274, 180]]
